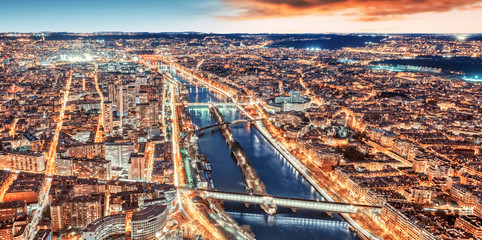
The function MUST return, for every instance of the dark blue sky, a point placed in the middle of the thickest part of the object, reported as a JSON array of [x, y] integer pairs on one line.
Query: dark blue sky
[[107, 15]]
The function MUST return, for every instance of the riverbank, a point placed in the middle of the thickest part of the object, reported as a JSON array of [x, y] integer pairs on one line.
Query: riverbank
[[213, 217], [297, 167], [302, 170]]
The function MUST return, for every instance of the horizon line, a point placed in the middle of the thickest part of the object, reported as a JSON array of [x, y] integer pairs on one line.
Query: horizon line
[[250, 33]]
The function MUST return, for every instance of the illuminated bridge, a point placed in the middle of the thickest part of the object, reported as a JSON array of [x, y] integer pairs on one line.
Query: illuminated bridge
[[229, 123], [220, 124], [217, 104], [293, 203]]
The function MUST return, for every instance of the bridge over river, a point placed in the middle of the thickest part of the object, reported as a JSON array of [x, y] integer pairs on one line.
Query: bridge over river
[[293, 203]]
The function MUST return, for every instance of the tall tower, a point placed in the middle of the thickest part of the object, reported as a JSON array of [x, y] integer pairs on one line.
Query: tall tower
[[112, 93], [155, 111], [108, 118], [121, 101]]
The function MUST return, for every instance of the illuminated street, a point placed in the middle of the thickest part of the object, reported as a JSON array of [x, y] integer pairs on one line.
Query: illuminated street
[[50, 163], [100, 125], [323, 120]]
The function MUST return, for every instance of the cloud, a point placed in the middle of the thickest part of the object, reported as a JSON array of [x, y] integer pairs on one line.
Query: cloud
[[365, 10]]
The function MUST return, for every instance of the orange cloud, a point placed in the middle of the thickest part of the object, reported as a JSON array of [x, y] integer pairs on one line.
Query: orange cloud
[[365, 10]]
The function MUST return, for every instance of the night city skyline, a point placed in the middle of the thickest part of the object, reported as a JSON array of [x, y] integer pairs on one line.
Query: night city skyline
[[241, 119]]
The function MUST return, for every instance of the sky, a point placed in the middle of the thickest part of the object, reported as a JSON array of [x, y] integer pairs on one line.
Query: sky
[[243, 16]]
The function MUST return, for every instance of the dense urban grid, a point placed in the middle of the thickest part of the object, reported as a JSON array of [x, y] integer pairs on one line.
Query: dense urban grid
[[98, 138]]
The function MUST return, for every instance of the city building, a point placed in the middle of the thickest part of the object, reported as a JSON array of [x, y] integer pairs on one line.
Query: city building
[[143, 224], [105, 227], [148, 222], [25, 188], [403, 226], [293, 102], [9, 210], [84, 167], [108, 118], [137, 165], [119, 153], [74, 212], [90, 150], [471, 224], [23, 161]]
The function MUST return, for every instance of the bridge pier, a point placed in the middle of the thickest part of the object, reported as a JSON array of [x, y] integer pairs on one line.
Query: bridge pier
[[269, 208]]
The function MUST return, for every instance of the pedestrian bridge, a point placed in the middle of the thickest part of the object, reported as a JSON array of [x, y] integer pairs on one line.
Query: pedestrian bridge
[[219, 124], [293, 203], [217, 104], [228, 123]]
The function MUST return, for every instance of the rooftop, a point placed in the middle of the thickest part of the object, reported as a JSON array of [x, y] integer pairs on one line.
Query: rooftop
[[149, 212]]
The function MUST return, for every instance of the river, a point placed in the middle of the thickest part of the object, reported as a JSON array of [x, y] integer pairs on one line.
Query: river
[[280, 178]]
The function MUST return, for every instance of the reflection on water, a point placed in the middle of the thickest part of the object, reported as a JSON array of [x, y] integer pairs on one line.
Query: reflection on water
[[283, 226], [280, 178]]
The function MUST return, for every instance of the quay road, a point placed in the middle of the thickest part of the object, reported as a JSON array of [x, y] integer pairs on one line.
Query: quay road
[[304, 172], [185, 204], [184, 201], [290, 158]]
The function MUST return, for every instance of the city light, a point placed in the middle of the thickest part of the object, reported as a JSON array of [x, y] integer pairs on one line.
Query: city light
[[52, 154], [100, 124], [75, 58], [148, 136]]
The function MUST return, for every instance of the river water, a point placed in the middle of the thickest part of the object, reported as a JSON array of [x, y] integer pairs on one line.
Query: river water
[[280, 178]]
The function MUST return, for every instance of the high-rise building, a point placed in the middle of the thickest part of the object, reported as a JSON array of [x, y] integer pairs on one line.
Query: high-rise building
[[143, 224], [112, 95], [137, 164], [75, 212], [145, 115], [119, 153], [148, 222], [129, 99], [154, 104], [120, 100], [108, 118]]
